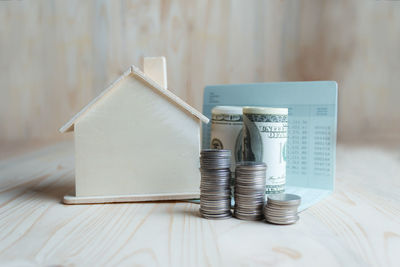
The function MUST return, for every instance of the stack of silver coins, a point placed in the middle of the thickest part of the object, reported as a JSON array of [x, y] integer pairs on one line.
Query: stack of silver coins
[[215, 193], [250, 190], [282, 208]]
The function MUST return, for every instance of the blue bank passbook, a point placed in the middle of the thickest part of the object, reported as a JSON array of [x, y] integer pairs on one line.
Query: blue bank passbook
[[312, 127]]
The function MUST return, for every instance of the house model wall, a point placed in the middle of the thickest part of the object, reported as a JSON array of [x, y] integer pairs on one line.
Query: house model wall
[[137, 141]]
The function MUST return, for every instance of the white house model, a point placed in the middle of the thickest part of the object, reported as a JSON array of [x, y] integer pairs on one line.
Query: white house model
[[136, 141]]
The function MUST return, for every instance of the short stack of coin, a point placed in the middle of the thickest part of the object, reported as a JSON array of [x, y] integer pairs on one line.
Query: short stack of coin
[[215, 193], [249, 190], [282, 208]]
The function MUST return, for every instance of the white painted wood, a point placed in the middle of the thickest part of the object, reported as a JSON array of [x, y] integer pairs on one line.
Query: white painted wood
[[156, 69], [358, 225], [133, 139], [71, 199], [135, 142]]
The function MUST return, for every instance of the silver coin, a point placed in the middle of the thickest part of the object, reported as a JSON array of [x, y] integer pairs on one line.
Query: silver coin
[[250, 182], [284, 199], [247, 218], [280, 213], [219, 172], [249, 204], [216, 184], [282, 217], [253, 193], [278, 221], [211, 207], [277, 218], [224, 192], [252, 202], [215, 151], [274, 213], [215, 178], [215, 165], [283, 223], [249, 175], [215, 181], [216, 212], [214, 191], [214, 203], [246, 213], [214, 187], [250, 165], [215, 197], [221, 214], [205, 199], [208, 217], [281, 208], [250, 196], [214, 173], [214, 208], [214, 159]]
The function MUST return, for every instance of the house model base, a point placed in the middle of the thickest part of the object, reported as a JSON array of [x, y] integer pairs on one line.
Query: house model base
[[73, 200], [136, 141]]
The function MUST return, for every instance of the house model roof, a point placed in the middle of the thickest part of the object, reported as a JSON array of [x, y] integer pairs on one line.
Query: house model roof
[[136, 72]]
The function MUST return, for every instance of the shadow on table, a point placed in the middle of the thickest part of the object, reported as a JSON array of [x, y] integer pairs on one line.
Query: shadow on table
[[49, 189]]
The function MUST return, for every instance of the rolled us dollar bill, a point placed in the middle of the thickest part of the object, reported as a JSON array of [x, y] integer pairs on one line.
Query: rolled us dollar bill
[[226, 126], [264, 139]]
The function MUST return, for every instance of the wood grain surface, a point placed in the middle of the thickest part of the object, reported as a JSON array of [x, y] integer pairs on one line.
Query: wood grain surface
[[358, 225], [57, 55]]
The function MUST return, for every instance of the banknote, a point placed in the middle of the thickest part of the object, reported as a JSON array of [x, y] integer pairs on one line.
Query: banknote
[[264, 138], [226, 126]]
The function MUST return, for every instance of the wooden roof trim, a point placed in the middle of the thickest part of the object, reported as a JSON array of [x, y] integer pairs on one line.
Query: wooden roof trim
[[69, 126], [174, 98]]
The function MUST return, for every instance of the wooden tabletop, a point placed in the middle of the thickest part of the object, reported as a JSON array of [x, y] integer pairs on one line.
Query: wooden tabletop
[[358, 225]]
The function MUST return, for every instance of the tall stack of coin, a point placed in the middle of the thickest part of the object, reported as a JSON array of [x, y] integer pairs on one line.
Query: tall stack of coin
[[215, 193], [250, 190], [282, 208]]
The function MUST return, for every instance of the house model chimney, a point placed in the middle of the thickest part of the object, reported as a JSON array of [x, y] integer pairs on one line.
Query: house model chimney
[[156, 69]]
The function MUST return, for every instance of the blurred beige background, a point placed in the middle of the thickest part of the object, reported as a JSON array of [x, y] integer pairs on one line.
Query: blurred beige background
[[55, 56]]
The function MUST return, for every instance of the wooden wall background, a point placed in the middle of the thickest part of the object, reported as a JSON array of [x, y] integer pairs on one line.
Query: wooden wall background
[[57, 55]]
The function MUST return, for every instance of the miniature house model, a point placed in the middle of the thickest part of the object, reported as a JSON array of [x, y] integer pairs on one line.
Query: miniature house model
[[136, 141]]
